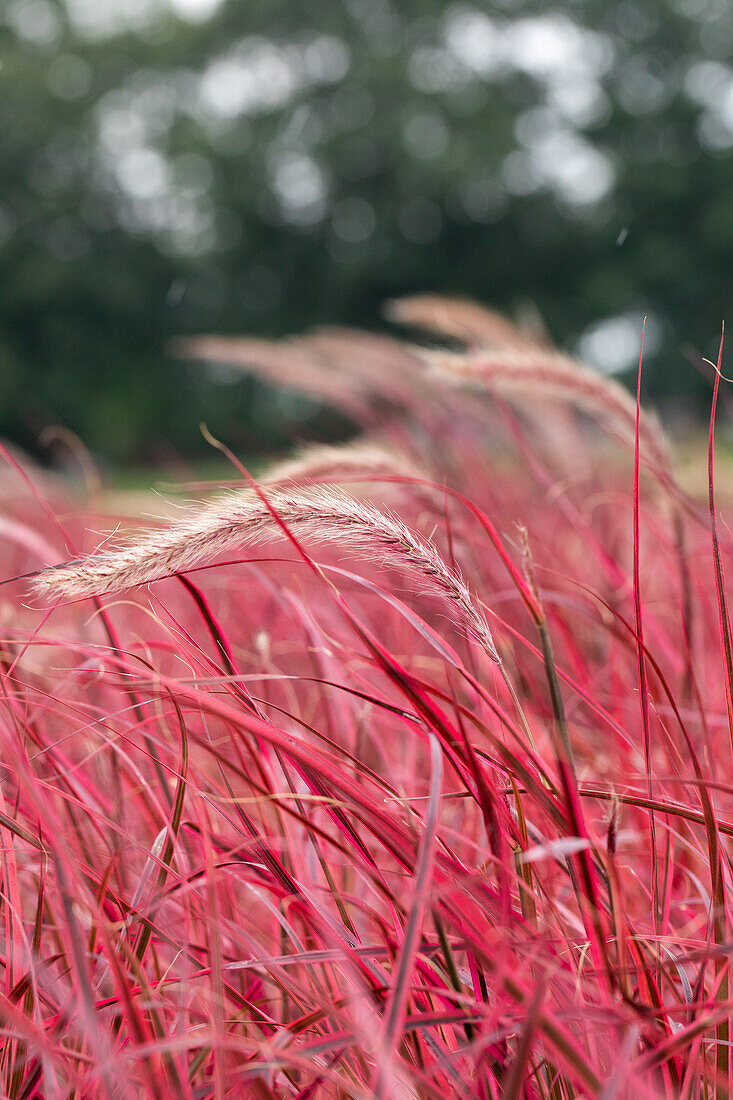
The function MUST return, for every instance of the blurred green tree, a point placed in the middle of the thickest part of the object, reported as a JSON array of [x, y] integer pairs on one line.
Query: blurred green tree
[[175, 166]]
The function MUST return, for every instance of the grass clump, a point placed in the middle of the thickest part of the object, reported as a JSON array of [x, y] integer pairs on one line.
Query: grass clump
[[403, 771]]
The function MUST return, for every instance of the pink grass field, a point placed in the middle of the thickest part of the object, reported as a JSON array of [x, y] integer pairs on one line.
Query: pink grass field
[[403, 772]]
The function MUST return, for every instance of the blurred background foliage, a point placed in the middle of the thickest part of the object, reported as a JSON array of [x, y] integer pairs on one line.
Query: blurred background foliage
[[180, 166]]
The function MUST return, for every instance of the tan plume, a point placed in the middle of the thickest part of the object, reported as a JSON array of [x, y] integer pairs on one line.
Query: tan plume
[[467, 321], [320, 515], [323, 462], [282, 363], [540, 374]]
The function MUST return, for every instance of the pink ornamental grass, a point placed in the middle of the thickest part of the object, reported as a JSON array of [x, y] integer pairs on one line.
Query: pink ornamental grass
[[404, 773]]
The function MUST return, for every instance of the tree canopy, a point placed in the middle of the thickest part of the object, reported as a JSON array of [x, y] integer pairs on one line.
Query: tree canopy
[[179, 166]]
